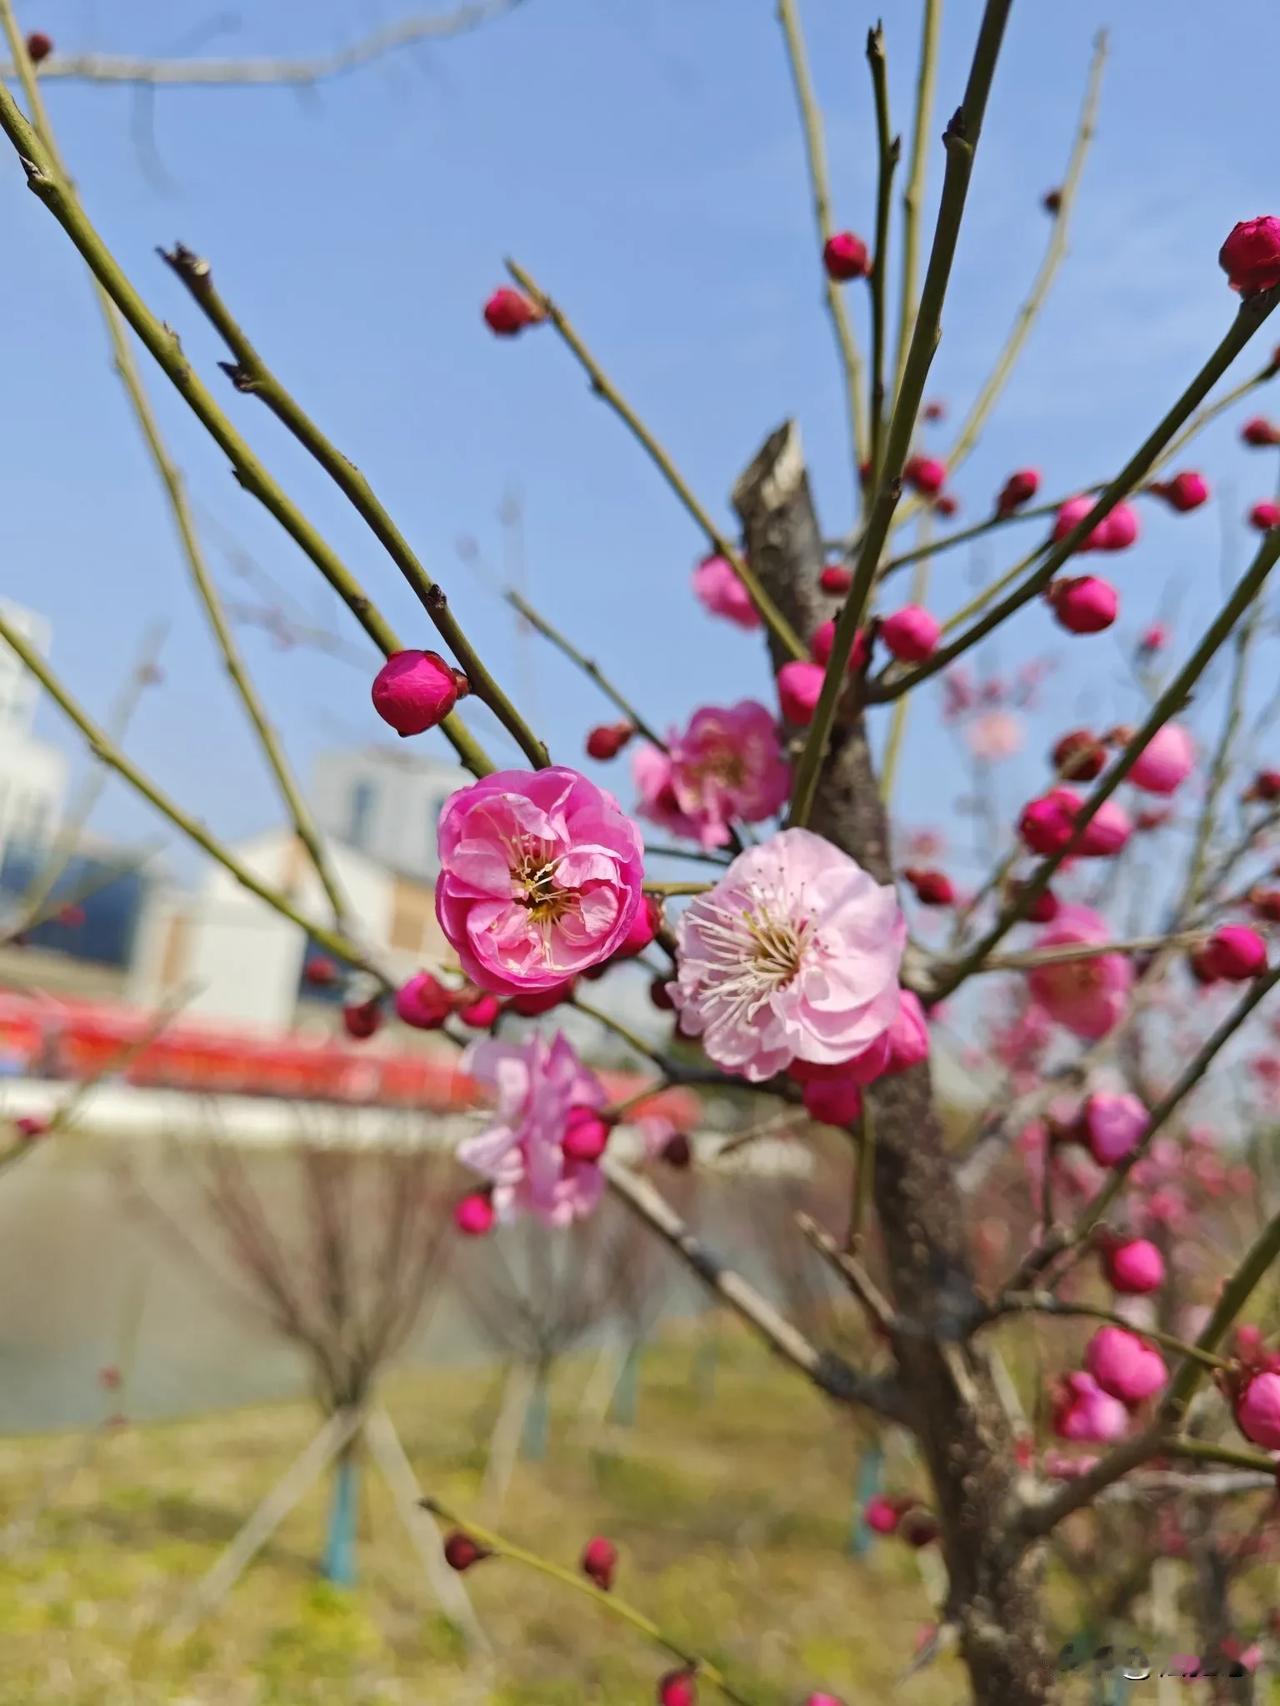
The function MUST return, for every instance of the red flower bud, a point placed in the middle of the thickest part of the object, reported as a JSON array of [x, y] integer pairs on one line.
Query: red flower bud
[[423, 1002], [473, 1215], [919, 1528], [509, 311], [911, 634], [608, 740], [482, 1013], [536, 1001], [934, 411], [677, 1688], [586, 1135], [1250, 257], [824, 636], [600, 1562], [845, 256], [834, 1101], [1265, 786], [413, 691], [1235, 953], [360, 1019], [1184, 492], [320, 971], [799, 688], [1259, 432], [461, 1551], [1043, 909], [31, 1126], [1265, 515], [946, 505], [1079, 756], [1017, 490], [39, 46], [1084, 604], [660, 996], [1266, 904], [925, 474], [1051, 202], [836, 579], [677, 1151], [933, 888]]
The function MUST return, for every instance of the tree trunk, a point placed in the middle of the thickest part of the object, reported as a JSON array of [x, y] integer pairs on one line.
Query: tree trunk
[[963, 1430]]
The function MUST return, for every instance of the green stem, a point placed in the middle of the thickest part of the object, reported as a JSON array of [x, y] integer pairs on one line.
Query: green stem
[[820, 187], [1202, 1451], [588, 666], [913, 194], [605, 389], [1041, 1303], [961, 139], [1258, 1260], [250, 374], [46, 182], [580, 1584], [889, 147]]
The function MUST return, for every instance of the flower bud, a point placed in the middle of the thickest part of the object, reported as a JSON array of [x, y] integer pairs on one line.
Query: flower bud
[[461, 1551], [1017, 490], [1250, 257], [1043, 909], [919, 1528], [1265, 515], [946, 504], [482, 1013], [1184, 492], [799, 688], [586, 1135], [31, 1126], [1051, 202], [934, 411], [882, 1515], [925, 474], [608, 739], [911, 634], [660, 995], [600, 1562], [531, 1002], [1154, 639], [319, 971], [845, 256], [413, 691], [824, 637], [1124, 1365], [473, 1214], [677, 1151], [1119, 530], [1234, 953], [644, 927], [1134, 1266], [423, 1002], [1258, 1410], [1259, 432], [833, 1101], [1265, 786], [1083, 604], [1079, 756], [677, 1688], [933, 888], [1165, 761], [39, 46], [1266, 904], [509, 311], [836, 579], [360, 1019]]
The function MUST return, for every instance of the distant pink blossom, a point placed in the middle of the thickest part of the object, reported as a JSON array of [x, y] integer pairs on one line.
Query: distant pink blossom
[[793, 955], [1113, 1125], [1086, 996], [726, 765], [1083, 1411], [537, 1084], [1165, 761], [540, 878], [994, 736], [718, 588]]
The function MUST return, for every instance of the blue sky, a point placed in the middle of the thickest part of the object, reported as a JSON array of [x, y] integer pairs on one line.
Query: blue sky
[[643, 159]]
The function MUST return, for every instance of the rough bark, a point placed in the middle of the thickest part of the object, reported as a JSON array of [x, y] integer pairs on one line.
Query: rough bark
[[964, 1433]]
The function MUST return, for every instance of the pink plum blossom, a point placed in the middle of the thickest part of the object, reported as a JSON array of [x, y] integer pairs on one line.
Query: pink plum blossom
[[994, 736], [1125, 1365], [537, 1085], [718, 588], [1083, 1411], [1134, 1266], [1087, 996], [793, 955], [1258, 1410], [727, 764], [1113, 1125], [1165, 761], [540, 878]]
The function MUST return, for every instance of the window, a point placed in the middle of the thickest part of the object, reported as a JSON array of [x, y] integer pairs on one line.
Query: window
[[363, 794]]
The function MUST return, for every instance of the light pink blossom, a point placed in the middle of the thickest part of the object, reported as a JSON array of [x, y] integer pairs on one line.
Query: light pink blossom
[[727, 764], [537, 1084], [1165, 761], [540, 878], [793, 955], [994, 736], [1086, 996], [718, 588]]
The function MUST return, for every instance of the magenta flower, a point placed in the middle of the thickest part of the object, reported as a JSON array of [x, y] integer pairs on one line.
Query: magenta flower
[[540, 878], [1258, 1410], [1083, 1411], [537, 1085], [1086, 996], [1165, 761], [718, 587], [793, 955], [1124, 1365], [1113, 1125], [727, 764]]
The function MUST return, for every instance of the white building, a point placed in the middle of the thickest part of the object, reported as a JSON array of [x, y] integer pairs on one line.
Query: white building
[[384, 803], [33, 774]]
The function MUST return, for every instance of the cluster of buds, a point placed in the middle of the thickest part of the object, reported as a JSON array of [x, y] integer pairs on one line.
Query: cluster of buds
[[905, 1517], [1252, 1386]]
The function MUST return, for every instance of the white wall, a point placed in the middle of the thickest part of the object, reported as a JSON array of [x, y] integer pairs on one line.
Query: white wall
[[33, 775], [384, 803]]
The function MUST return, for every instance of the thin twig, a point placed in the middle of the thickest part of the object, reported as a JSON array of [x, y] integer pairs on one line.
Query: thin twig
[[588, 666], [888, 147], [913, 193], [851, 1271]]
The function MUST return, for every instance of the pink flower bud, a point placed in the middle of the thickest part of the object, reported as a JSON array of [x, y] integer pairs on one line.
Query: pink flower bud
[[911, 634], [1250, 257], [39, 46], [319, 971], [1043, 909], [1259, 432], [823, 1700], [1125, 1365], [834, 1101], [845, 256], [1018, 489], [1155, 638], [1079, 756], [531, 1002], [882, 1515], [360, 1019], [1069, 517], [677, 1688], [1106, 833], [1047, 824], [644, 927], [799, 688], [600, 1562], [1113, 1125], [461, 1551], [586, 1135], [934, 412], [933, 888], [836, 579], [509, 311], [31, 1126], [1083, 1411], [1165, 761], [1258, 1411], [1265, 515], [413, 691], [423, 1002], [1084, 604], [608, 739], [482, 1013], [925, 474], [1119, 530], [1184, 492], [824, 636], [1235, 953], [473, 1215], [719, 588], [1134, 1267], [946, 504]]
